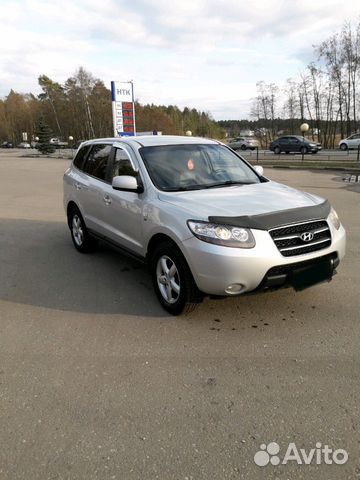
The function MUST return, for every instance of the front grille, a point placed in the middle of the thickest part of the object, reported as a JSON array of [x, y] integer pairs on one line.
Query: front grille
[[289, 242]]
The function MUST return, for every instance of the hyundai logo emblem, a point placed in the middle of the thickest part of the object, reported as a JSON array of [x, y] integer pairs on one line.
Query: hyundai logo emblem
[[307, 236]]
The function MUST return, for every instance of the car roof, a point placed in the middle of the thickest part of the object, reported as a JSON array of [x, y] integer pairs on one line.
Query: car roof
[[154, 140]]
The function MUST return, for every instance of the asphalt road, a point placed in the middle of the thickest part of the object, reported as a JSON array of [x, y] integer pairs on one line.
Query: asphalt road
[[97, 382]]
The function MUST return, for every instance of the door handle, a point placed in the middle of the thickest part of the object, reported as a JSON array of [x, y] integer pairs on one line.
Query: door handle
[[107, 200], [78, 186]]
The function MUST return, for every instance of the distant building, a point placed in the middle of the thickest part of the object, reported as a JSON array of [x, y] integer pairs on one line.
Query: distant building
[[247, 133]]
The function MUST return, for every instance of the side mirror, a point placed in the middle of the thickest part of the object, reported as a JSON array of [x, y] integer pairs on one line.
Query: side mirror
[[259, 169], [126, 183]]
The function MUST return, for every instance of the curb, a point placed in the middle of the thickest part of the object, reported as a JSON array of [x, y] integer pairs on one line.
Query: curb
[[295, 167]]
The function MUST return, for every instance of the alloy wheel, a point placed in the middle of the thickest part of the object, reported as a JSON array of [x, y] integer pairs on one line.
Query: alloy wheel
[[168, 279], [77, 230]]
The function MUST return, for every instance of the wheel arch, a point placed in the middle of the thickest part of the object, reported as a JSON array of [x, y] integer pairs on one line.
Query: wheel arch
[[70, 206], [155, 240]]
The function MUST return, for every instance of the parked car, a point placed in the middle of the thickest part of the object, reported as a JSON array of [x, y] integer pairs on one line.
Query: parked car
[[294, 143], [203, 219], [350, 143], [58, 143], [7, 145], [24, 145], [243, 143]]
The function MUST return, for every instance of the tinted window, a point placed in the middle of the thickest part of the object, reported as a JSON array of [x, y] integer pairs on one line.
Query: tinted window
[[97, 161], [122, 164], [80, 156]]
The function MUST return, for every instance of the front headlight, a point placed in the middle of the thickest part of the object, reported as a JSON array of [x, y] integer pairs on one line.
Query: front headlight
[[224, 235], [334, 219]]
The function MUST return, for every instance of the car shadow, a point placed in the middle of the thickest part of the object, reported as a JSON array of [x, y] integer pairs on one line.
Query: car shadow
[[40, 266]]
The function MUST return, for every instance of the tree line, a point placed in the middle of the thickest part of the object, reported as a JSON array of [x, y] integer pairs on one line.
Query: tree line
[[325, 95], [81, 108]]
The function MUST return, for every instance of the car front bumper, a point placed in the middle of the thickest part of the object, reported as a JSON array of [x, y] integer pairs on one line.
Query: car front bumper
[[215, 267]]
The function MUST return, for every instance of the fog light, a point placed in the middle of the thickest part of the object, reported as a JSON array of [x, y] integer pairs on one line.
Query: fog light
[[234, 288]]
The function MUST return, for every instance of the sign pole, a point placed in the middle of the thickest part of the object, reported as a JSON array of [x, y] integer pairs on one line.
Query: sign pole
[[132, 91], [113, 106]]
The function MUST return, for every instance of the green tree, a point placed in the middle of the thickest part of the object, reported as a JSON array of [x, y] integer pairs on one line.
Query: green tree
[[44, 133], [53, 93]]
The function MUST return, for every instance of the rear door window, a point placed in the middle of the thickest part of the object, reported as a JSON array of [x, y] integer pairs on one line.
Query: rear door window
[[97, 161]]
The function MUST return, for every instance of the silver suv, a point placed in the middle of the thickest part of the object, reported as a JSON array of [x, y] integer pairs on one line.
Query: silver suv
[[202, 218]]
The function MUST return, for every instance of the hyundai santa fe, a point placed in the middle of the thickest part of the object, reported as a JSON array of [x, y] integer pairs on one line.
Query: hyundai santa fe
[[204, 220]]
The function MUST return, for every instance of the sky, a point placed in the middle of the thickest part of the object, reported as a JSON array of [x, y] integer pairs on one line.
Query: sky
[[204, 54]]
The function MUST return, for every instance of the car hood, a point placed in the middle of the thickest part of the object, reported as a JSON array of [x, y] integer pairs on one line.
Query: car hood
[[238, 200]]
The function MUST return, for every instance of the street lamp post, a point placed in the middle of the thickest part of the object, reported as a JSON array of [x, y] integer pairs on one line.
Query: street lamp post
[[304, 127], [71, 139]]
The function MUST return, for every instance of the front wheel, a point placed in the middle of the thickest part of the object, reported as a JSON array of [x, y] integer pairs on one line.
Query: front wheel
[[343, 147], [172, 279], [304, 150]]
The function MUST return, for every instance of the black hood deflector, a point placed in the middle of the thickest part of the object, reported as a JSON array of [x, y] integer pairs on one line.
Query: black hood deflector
[[267, 221]]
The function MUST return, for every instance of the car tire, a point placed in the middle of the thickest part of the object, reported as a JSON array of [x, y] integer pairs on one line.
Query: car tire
[[252, 148], [173, 282], [82, 240], [304, 150], [277, 150], [243, 147], [287, 152], [343, 147]]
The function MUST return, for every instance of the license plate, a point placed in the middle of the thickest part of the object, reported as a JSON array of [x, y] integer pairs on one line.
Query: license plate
[[308, 276]]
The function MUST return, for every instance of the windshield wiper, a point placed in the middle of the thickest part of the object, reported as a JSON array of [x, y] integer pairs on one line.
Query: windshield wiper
[[183, 189], [226, 184]]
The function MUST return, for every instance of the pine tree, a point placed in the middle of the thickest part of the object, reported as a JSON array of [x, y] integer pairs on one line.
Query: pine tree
[[44, 133]]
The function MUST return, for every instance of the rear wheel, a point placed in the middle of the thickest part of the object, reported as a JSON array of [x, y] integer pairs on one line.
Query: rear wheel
[[172, 279], [82, 240], [304, 150], [243, 147], [277, 150], [343, 147]]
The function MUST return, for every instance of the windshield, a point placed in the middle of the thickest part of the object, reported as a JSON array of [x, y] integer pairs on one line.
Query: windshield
[[194, 167]]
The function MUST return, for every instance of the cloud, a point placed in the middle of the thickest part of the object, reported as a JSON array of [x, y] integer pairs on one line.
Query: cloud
[[177, 51]]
